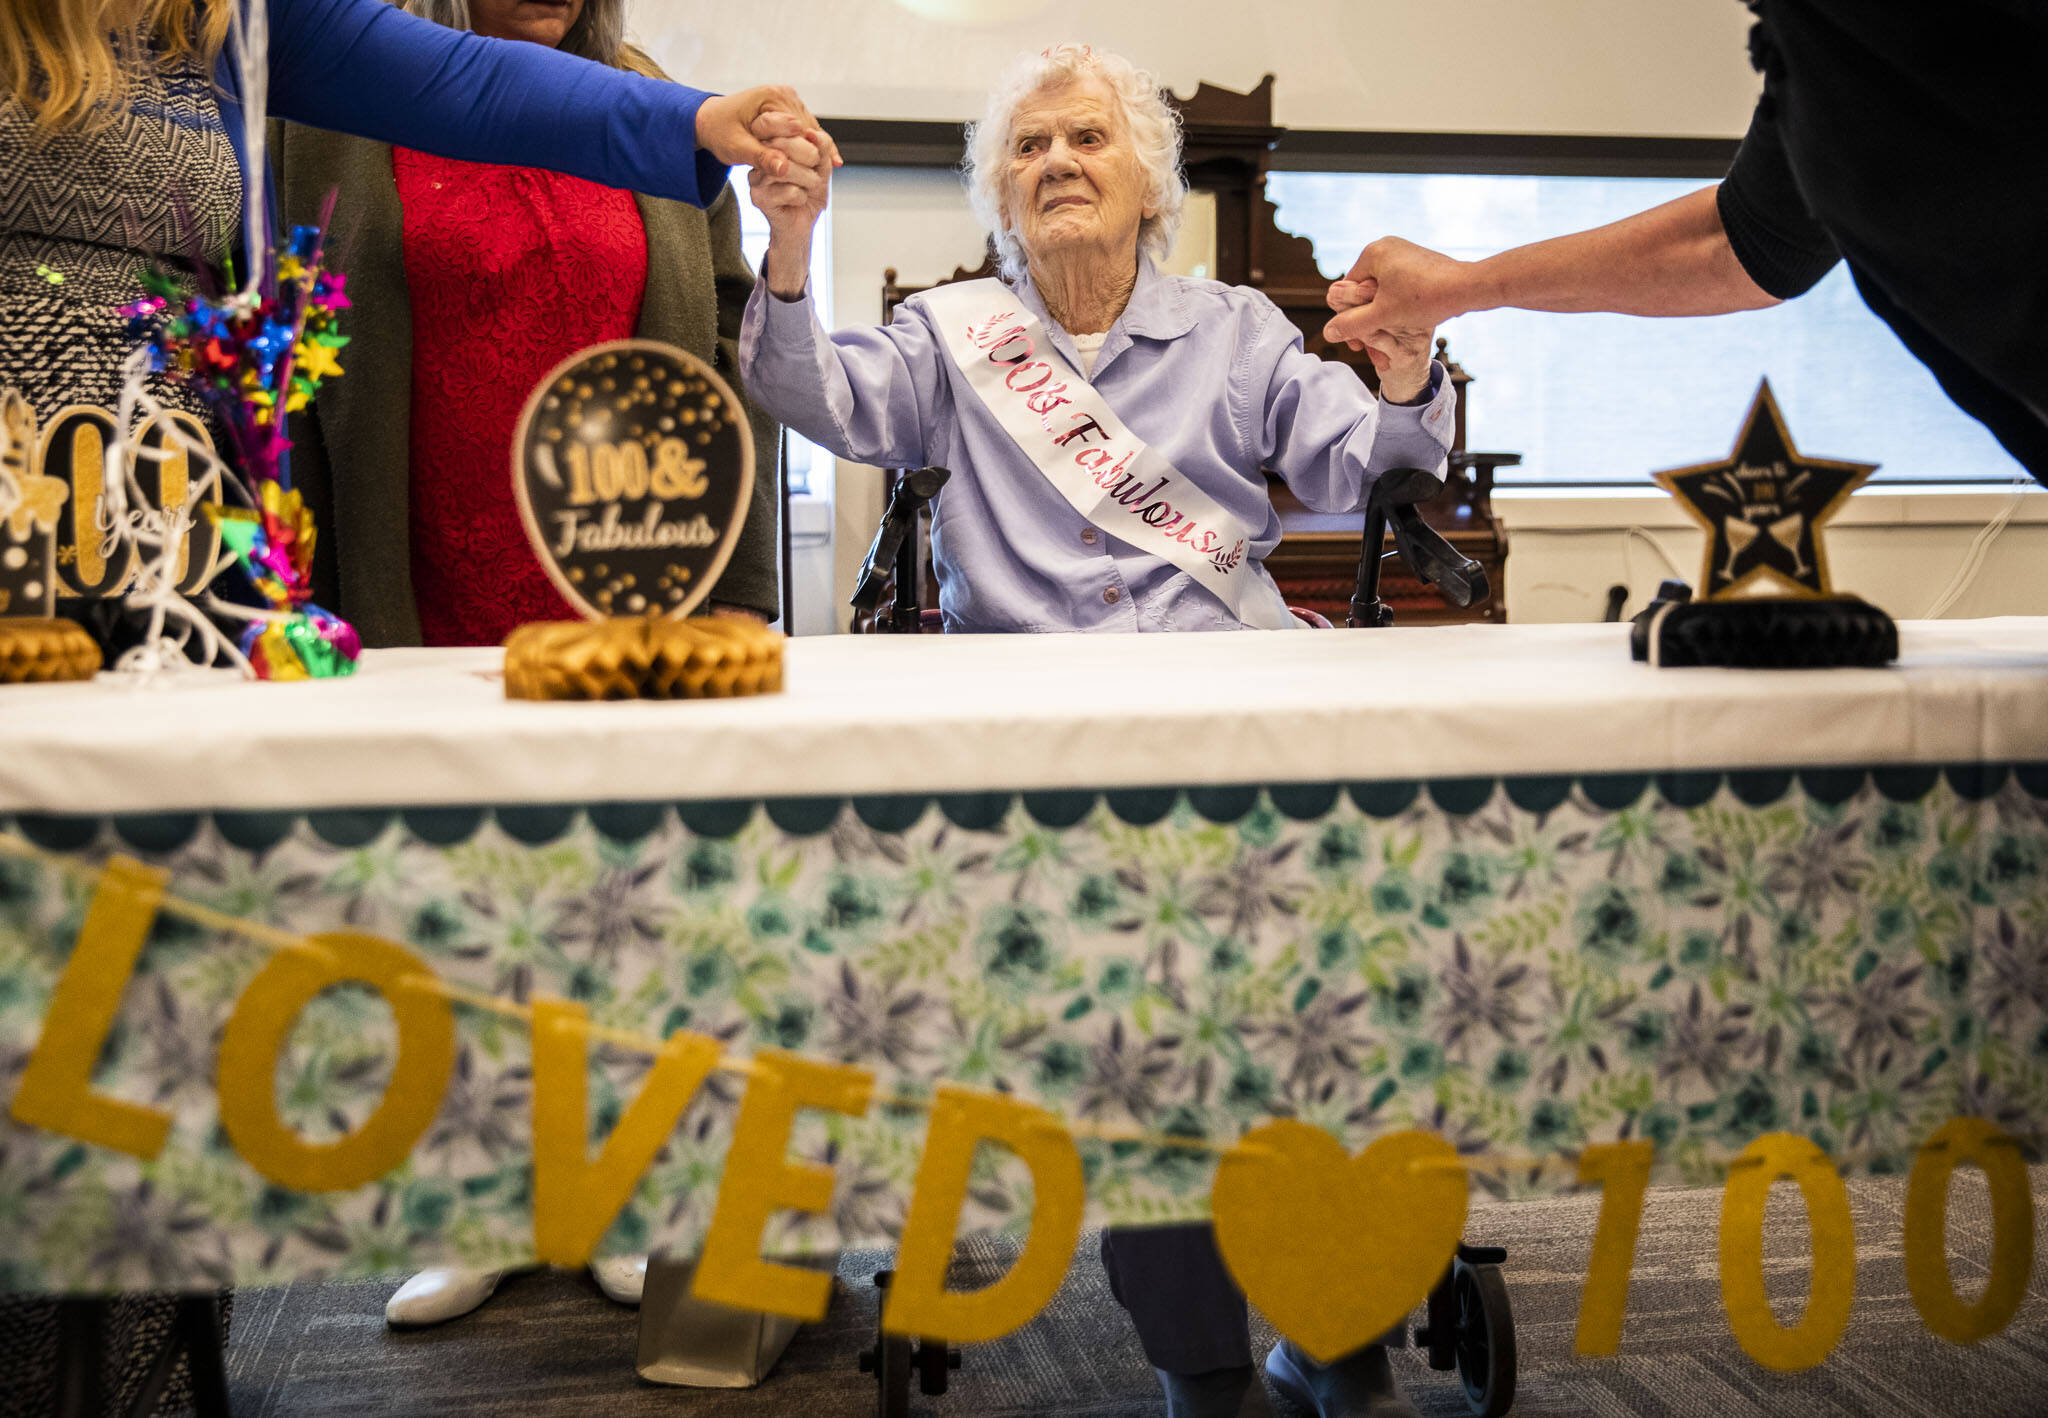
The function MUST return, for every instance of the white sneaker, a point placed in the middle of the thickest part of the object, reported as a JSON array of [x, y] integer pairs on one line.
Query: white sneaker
[[621, 1278], [436, 1296]]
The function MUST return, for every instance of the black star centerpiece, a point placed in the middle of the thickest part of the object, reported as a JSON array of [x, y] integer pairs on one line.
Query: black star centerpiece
[[633, 466], [1766, 600]]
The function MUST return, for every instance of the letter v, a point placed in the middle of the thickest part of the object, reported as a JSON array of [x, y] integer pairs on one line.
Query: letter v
[[575, 1200]]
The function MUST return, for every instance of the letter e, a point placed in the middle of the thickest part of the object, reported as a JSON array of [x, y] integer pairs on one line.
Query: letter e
[[760, 1179]]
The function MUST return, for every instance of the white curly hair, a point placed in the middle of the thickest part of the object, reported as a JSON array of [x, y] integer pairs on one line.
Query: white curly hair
[[1153, 125]]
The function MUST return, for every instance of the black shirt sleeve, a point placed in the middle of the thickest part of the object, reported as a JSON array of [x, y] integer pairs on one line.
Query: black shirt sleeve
[[1777, 240]]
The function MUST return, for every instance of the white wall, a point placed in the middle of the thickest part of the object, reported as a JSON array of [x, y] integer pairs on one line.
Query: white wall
[[1643, 67], [1900, 550]]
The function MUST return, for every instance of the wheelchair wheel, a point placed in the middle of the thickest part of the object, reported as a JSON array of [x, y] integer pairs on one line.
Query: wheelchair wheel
[[1485, 1342]]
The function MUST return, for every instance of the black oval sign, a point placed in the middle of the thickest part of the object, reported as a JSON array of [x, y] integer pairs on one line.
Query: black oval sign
[[633, 464]]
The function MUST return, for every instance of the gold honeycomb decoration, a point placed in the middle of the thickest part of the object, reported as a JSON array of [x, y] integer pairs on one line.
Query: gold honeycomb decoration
[[710, 657], [34, 650], [713, 658]]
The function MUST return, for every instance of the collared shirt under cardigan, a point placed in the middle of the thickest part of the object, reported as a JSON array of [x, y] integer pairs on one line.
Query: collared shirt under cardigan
[[1213, 377]]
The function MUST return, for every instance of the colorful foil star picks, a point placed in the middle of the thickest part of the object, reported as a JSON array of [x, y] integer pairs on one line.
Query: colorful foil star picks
[[255, 360]]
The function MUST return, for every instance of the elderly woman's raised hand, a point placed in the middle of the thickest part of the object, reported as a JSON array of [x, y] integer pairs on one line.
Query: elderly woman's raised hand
[[792, 201], [1403, 360], [740, 129]]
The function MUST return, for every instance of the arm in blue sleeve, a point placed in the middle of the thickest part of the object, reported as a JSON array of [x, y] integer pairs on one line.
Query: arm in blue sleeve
[[1325, 433], [866, 393], [368, 68]]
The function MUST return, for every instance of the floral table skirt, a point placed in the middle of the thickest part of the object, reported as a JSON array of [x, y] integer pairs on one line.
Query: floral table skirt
[[1523, 966]]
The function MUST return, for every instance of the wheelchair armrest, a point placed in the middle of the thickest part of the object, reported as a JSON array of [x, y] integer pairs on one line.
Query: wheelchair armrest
[[875, 572], [1392, 507], [914, 488], [1429, 556]]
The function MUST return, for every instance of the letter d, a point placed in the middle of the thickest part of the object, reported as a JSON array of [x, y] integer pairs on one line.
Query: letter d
[[962, 1119]]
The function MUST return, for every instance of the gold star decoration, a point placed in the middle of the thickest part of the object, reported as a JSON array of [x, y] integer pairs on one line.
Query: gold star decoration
[[315, 361], [1762, 509]]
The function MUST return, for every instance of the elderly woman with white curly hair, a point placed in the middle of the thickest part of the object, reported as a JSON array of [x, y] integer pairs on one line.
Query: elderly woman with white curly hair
[[1106, 427]]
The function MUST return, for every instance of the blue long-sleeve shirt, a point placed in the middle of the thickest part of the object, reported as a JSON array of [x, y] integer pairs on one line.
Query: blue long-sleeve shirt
[[368, 68], [1211, 376]]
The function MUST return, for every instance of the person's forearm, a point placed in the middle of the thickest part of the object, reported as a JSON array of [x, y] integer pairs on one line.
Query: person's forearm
[[368, 68], [788, 267], [1671, 260]]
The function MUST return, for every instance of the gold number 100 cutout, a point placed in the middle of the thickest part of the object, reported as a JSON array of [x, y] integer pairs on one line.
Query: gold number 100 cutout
[[1622, 1171]]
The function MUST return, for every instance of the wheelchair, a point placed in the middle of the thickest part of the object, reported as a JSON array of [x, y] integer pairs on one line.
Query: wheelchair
[[1469, 1326], [893, 560]]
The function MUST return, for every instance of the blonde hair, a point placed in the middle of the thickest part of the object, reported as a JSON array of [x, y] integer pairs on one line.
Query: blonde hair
[[1153, 125], [66, 60]]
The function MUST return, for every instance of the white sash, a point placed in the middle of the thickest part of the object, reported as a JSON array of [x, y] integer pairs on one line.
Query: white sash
[[1105, 471]]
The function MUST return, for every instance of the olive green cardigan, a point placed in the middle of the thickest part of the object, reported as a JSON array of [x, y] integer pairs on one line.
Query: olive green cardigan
[[350, 455]]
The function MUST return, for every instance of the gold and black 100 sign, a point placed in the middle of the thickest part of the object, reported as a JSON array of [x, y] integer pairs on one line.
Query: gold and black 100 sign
[[633, 464], [92, 560]]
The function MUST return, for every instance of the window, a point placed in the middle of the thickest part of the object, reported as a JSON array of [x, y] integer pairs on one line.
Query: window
[[1612, 398], [810, 467]]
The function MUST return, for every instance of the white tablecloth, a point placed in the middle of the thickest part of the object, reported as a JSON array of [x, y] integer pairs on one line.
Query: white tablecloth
[[882, 714]]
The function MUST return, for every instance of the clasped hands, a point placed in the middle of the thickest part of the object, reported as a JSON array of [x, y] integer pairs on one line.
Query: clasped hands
[[1389, 305], [790, 161]]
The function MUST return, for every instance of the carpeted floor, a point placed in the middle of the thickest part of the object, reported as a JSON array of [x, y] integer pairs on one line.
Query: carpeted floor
[[549, 1346]]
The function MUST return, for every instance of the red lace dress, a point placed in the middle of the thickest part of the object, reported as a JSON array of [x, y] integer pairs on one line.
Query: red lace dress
[[511, 270]]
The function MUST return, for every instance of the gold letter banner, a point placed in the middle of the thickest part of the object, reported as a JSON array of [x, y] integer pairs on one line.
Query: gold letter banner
[[1336, 1246], [263, 1020], [918, 1302], [56, 1089]]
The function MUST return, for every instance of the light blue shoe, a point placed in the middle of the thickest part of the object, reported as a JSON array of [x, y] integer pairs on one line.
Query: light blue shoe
[[1220, 1393], [1360, 1385]]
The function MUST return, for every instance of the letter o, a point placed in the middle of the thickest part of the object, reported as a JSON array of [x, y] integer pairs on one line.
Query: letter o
[[263, 1020], [1045, 378], [632, 470], [1011, 341], [607, 473], [1957, 1141], [1832, 1288]]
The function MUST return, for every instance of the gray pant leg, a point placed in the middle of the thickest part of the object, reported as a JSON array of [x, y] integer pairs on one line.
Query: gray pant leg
[[1189, 1314]]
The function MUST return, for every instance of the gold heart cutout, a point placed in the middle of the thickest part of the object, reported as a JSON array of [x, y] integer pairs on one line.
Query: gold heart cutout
[[1336, 1249]]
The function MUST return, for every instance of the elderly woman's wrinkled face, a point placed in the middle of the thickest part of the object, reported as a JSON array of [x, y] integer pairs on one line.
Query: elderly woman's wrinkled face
[[535, 21], [1074, 180]]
